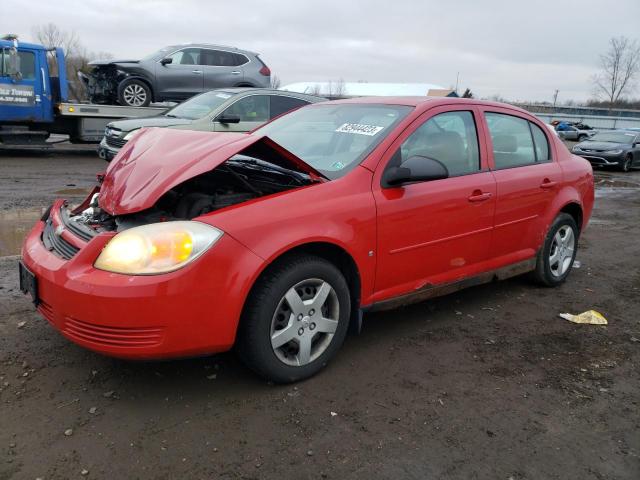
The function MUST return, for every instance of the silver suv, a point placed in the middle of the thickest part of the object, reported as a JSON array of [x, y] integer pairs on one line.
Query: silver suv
[[173, 74]]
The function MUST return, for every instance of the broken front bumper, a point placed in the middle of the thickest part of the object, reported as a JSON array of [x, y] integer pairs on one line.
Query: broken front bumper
[[191, 311]]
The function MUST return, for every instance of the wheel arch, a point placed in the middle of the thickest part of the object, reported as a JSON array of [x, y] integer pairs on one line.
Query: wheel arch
[[333, 253], [575, 210]]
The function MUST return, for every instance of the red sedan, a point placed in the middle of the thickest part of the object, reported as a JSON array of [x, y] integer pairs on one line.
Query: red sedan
[[277, 241]]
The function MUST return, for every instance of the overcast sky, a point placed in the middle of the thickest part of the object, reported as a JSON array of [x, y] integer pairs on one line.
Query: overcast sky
[[522, 50]]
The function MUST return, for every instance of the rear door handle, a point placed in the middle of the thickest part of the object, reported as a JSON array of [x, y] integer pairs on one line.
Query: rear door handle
[[546, 183], [479, 196], [235, 72], [197, 72]]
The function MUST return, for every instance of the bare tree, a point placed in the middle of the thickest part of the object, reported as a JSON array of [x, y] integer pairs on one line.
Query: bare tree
[[619, 68], [76, 56], [275, 81], [51, 36]]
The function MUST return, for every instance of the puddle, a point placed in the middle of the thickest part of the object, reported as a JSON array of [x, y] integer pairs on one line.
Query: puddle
[[615, 183], [14, 226]]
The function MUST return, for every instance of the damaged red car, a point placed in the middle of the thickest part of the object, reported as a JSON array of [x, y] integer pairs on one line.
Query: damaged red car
[[277, 241]]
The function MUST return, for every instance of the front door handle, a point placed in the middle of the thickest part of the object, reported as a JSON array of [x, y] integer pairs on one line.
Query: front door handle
[[197, 72], [546, 183], [235, 72], [479, 196]]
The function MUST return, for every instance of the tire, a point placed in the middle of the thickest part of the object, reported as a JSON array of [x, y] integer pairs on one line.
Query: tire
[[627, 163], [275, 326], [134, 93], [554, 263], [582, 138]]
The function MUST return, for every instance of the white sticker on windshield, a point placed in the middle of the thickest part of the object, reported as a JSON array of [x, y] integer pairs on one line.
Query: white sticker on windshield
[[359, 129], [223, 95]]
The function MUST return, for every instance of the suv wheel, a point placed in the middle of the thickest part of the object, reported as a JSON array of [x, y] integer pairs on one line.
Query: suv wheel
[[555, 258], [134, 93], [295, 319]]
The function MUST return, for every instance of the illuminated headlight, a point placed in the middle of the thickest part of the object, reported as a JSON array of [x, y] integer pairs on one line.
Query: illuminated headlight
[[157, 247], [614, 152], [130, 135]]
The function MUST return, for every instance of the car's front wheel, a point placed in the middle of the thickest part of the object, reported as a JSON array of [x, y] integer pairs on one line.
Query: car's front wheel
[[295, 319], [555, 258], [627, 163], [134, 93]]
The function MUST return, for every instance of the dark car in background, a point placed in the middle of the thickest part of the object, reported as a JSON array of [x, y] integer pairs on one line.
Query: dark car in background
[[174, 74], [620, 148], [222, 110]]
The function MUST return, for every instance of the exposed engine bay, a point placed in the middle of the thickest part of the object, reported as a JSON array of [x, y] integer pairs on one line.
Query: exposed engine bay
[[239, 179]]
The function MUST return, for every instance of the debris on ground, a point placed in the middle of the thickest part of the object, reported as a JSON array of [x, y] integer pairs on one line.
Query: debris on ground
[[68, 432], [590, 317]]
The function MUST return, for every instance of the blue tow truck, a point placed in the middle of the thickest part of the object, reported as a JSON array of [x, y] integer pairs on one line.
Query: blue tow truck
[[34, 102]]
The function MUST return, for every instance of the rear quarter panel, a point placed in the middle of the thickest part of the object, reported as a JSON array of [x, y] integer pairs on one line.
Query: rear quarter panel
[[577, 186]]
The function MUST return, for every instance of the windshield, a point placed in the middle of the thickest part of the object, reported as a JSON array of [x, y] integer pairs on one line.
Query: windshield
[[613, 137], [334, 138], [200, 105]]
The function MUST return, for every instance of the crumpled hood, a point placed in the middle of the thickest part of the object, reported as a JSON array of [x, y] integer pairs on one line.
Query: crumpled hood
[[601, 145], [158, 159]]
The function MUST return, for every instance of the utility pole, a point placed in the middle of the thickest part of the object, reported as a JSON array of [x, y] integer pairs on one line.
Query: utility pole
[[555, 98], [457, 79]]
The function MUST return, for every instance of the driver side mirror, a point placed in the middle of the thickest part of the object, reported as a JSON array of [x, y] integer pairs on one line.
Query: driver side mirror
[[227, 118], [166, 61], [415, 169]]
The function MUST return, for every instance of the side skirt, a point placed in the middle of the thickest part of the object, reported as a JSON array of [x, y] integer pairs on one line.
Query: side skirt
[[431, 291]]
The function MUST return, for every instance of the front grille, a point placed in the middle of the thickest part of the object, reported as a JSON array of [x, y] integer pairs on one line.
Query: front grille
[[113, 336], [116, 142], [56, 243]]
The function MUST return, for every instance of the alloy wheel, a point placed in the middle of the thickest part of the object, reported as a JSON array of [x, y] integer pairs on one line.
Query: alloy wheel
[[305, 322], [561, 251], [134, 95]]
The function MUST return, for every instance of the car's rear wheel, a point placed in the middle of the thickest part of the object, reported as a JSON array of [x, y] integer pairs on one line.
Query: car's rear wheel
[[295, 320], [134, 93], [582, 138], [555, 258], [627, 163]]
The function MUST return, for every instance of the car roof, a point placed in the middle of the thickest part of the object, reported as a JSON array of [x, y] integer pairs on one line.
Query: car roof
[[428, 102], [268, 91], [212, 45]]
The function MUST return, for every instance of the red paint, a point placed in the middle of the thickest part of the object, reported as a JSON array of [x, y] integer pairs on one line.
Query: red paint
[[424, 233]]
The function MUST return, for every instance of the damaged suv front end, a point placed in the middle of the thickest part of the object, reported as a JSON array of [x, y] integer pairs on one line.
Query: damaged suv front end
[[128, 254], [105, 77]]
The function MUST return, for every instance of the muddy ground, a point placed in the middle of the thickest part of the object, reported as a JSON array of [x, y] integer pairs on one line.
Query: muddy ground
[[487, 383]]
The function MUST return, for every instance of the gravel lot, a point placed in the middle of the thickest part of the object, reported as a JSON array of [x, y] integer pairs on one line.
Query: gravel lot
[[484, 383]]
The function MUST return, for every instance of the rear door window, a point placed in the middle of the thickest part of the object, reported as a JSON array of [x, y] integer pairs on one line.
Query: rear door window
[[541, 143], [220, 58], [281, 104], [512, 140]]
